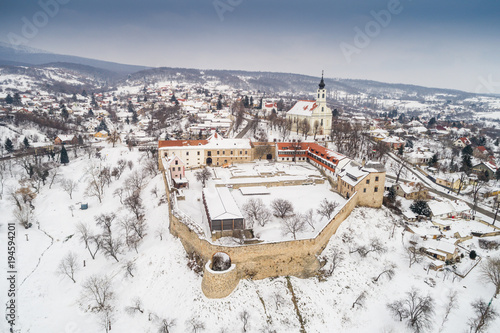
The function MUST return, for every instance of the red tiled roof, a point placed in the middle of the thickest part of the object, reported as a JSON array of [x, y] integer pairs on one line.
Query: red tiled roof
[[175, 143]]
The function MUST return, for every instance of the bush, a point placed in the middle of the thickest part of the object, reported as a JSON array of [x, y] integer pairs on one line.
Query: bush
[[473, 255], [420, 207], [221, 262]]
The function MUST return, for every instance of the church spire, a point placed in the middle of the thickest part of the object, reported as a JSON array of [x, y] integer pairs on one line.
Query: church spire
[[322, 83]]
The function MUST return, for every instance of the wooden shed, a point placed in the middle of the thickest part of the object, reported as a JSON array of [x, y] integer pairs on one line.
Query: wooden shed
[[221, 209]]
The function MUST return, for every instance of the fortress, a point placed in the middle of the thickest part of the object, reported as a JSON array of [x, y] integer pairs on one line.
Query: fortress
[[360, 185]]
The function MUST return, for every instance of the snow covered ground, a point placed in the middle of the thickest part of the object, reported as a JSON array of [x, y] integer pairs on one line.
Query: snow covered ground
[[168, 289]]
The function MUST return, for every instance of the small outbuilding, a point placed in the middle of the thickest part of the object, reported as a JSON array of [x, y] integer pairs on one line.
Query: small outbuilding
[[221, 209]]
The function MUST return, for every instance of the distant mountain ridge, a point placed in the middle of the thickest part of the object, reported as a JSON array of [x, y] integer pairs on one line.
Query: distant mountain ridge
[[108, 74]]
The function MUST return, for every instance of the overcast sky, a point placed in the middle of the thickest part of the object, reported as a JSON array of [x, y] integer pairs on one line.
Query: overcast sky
[[445, 43]]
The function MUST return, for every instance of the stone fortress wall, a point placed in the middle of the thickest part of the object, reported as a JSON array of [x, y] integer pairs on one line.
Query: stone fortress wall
[[257, 261]]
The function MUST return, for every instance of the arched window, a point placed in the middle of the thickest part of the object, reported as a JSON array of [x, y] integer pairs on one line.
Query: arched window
[[321, 122], [323, 95], [318, 95]]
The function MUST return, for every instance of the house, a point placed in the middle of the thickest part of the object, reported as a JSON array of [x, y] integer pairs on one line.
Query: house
[[221, 209], [461, 142], [314, 112], [419, 157], [412, 191], [101, 134], [481, 152], [393, 142], [488, 169], [449, 209], [440, 249], [368, 181], [451, 181], [177, 170], [63, 139]]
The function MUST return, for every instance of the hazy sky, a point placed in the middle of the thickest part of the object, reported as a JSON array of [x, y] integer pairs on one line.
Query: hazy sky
[[437, 43]]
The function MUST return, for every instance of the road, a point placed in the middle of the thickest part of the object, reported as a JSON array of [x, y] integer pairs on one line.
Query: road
[[433, 187], [245, 130]]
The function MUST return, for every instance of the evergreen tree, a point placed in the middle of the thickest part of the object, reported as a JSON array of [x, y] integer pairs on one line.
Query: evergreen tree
[[127, 120], [134, 118], [260, 104], [466, 164], [467, 150], [401, 150], [420, 207], [497, 174], [9, 147], [26, 143], [391, 194], [17, 99], [93, 102], [64, 112], [219, 103], [281, 105], [84, 93], [432, 122], [245, 101], [130, 107], [64, 156], [90, 113], [9, 99], [335, 113], [102, 126], [251, 101], [74, 97], [173, 99], [80, 139], [434, 160]]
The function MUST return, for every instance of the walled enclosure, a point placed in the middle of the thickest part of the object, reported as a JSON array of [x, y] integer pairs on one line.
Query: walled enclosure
[[259, 261]]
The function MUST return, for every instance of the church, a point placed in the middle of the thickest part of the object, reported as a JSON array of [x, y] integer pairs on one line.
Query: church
[[313, 111]]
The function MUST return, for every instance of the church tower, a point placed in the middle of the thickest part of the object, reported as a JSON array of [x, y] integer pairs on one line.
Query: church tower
[[321, 98]]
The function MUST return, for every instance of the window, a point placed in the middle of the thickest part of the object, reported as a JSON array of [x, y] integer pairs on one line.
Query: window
[[218, 152], [323, 95], [241, 153], [198, 153], [376, 178], [318, 95], [223, 152], [246, 152], [376, 189], [176, 162], [187, 153], [364, 190], [321, 122], [322, 109], [231, 152], [179, 169], [368, 181], [209, 153]]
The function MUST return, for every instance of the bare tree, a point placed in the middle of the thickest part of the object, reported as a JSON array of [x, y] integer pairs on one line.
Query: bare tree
[[309, 218], [135, 181], [360, 300], [114, 137], [256, 211], [196, 325], [68, 266], [335, 259], [134, 203], [490, 272], [485, 314], [97, 293], [374, 246], [160, 231], [398, 167], [305, 127], [281, 208], [413, 254], [326, 208], [452, 304], [389, 271], [53, 175], [476, 187], [165, 325], [151, 167], [315, 128], [135, 307], [417, 309], [203, 175], [135, 230], [88, 239], [130, 267], [24, 215], [245, 316], [96, 183], [69, 186], [293, 225], [111, 246], [106, 317]]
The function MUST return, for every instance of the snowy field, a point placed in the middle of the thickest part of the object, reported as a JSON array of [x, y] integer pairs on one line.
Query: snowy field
[[168, 289]]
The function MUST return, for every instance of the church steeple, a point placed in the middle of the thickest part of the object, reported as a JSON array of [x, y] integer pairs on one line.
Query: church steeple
[[322, 83]]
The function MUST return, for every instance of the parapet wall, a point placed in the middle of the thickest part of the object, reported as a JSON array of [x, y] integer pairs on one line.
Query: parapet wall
[[263, 260]]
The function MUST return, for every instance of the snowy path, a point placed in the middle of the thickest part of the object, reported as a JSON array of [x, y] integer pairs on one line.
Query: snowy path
[[39, 258]]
